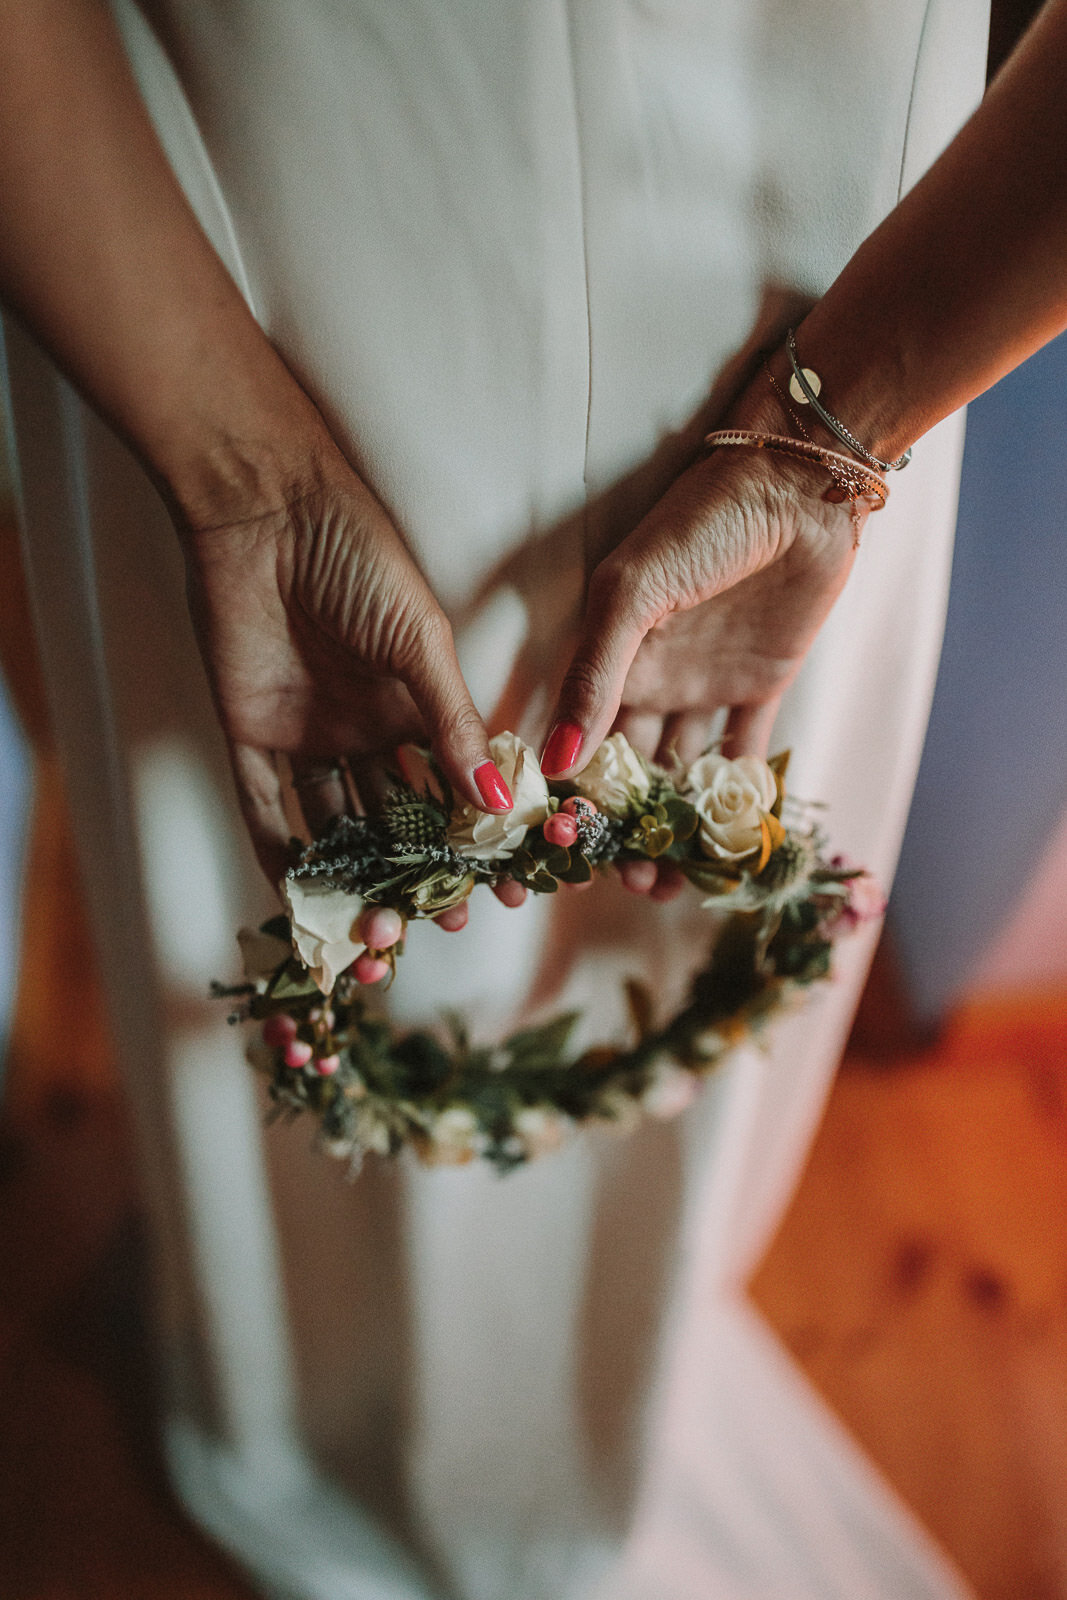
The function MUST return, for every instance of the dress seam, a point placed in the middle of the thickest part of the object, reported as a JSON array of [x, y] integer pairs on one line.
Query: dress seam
[[569, 31], [911, 100]]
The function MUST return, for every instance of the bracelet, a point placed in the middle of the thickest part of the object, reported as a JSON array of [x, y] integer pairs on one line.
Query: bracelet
[[802, 380], [851, 481]]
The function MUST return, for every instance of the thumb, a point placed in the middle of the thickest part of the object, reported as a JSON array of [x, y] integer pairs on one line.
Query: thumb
[[618, 614], [428, 666]]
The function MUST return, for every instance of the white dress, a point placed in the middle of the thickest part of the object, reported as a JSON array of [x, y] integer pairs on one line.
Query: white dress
[[511, 249]]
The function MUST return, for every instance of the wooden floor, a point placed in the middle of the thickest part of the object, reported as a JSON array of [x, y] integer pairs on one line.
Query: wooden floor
[[920, 1279]]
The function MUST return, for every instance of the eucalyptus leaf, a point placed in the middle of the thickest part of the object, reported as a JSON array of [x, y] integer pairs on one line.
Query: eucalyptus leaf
[[292, 984], [579, 870]]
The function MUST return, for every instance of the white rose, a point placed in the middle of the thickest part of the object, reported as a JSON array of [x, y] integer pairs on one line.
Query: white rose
[[615, 773], [455, 1138], [619, 1111], [729, 797], [709, 1043], [481, 837], [324, 928], [542, 1129], [371, 1131], [671, 1090]]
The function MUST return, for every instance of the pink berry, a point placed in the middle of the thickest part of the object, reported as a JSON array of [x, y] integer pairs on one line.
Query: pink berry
[[297, 1054], [328, 1065], [576, 805], [369, 969], [278, 1031], [561, 829]]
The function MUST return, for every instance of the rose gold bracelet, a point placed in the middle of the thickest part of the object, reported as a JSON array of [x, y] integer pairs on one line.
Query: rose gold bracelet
[[851, 481]]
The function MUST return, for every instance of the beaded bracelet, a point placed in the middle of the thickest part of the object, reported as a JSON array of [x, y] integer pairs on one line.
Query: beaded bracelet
[[808, 396], [851, 481]]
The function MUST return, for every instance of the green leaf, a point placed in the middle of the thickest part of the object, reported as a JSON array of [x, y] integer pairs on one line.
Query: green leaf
[[542, 1047], [778, 765], [705, 875], [579, 870], [651, 837], [639, 1001], [277, 927], [422, 1062], [681, 817], [293, 983], [457, 1027]]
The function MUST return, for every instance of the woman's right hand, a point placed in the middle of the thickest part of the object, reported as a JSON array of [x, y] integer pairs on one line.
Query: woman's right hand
[[323, 641]]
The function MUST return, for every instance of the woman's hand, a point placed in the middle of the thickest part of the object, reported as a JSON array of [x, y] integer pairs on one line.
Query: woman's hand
[[322, 641], [710, 604]]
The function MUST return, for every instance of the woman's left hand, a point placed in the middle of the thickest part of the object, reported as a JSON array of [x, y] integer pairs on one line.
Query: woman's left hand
[[710, 604]]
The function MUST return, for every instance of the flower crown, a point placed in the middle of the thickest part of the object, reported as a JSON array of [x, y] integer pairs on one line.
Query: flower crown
[[778, 905]]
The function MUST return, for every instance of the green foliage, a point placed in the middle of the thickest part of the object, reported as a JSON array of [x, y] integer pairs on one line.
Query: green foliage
[[772, 928]]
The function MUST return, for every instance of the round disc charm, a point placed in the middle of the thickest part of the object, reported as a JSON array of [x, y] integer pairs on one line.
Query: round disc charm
[[814, 383]]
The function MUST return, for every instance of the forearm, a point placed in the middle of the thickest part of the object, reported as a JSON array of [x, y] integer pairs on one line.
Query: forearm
[[968, 275], [103, 257]]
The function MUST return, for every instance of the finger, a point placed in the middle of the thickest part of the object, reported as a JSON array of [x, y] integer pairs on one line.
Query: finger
[[642, 729], [617, 617], [510, 893], [454, 918], [426, 661], [686, 735], [749, 728], [370, 781], [638, 876], [259, 795], [370, 969], [321, 790], [380, 927], [670, 882]]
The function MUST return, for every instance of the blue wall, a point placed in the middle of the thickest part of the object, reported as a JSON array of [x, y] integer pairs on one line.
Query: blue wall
[[993, 781]]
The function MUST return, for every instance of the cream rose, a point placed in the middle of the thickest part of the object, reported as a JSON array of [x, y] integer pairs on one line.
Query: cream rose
[[481, 837], [324, 928], [542, 1129], [615, 774], [730, 797], [455, 1138], [671, 1089]]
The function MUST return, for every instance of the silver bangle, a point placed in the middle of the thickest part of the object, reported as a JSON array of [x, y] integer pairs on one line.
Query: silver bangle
[[810, 398]]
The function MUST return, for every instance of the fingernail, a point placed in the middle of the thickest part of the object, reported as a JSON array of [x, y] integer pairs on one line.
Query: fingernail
[[561, 751], [492, 788]]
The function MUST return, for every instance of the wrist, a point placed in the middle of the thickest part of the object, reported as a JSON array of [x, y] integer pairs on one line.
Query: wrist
[[257, 454], [866, 395]]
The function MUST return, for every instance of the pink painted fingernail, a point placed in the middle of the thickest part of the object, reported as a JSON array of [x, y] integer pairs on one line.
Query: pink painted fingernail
[[561, 751], [492, 788]]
